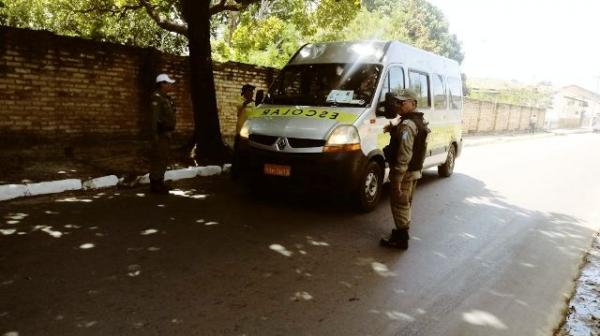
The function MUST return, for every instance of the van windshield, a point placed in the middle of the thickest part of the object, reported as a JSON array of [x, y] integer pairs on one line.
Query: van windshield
[[333, 84]]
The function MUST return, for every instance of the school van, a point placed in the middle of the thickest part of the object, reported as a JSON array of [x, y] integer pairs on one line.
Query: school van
[[321, 123]]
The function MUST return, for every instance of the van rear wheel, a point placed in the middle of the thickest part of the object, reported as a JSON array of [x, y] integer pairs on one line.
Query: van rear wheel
[[369, 189], [446, 169]]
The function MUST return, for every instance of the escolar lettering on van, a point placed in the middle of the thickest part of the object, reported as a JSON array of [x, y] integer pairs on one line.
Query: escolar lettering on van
[[305, 113]]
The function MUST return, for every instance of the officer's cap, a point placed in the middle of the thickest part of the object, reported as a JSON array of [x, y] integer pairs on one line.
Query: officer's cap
[[405, 94], [164, 78]]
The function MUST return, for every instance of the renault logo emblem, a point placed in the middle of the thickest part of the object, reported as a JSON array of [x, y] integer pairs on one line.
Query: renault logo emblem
[[281, 143]]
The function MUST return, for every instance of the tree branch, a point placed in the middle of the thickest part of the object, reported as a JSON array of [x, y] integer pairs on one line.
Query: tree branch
[[163, 23], [223, 5]]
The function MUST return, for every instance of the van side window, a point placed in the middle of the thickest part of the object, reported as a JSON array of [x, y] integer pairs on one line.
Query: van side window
[[419, 82], [456, 95], [440, 100], [396, 79], [384, 89]]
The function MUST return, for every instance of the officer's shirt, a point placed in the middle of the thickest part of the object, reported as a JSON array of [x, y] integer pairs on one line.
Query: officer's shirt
[[242, 110], [163, 113], [405, 132]]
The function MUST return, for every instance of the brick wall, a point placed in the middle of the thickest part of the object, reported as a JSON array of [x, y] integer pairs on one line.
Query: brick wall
[[54, 87], [489, 117]]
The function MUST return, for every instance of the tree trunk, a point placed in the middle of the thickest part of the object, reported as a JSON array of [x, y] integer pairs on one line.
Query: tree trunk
[[209, 146]]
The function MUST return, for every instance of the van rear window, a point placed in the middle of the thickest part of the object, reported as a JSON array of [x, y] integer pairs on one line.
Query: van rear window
[[456, 95]]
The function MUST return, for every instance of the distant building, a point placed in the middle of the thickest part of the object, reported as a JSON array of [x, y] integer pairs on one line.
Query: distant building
[[573, 107]]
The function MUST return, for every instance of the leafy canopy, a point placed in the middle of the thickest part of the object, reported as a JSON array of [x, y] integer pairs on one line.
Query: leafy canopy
[[269, 36], [267, 33], [80, 18]]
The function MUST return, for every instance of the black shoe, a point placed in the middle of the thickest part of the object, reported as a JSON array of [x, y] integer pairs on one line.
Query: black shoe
[[398, 239]]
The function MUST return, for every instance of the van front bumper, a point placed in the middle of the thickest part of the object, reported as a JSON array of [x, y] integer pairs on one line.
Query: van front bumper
[[340, 171]]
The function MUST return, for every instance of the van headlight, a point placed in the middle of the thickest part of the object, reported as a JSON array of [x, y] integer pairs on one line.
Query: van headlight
[[245, 130], [344, 138]]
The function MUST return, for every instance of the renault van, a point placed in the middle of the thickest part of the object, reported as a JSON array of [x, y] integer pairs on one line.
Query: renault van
[[321, 122]]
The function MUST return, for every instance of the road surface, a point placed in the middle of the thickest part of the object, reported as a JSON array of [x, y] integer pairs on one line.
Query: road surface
[[494, 251]]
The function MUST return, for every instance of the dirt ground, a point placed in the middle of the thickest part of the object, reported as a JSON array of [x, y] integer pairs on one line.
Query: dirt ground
[[584, 308]]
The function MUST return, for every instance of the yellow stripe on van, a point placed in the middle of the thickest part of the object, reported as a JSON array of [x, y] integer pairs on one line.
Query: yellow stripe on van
[[315, 113], [383, 139]]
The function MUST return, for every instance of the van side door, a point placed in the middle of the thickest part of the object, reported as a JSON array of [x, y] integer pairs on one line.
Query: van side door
[[394, 79], [440, 117], [455, 113], [420, 82]]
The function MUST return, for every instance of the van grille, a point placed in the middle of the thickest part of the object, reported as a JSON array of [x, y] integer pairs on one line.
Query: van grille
[[266, 140], [305, 143], [269, 140]]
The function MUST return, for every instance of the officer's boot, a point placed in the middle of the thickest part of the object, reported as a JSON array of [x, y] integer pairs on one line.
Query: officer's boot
[[158, 187], [398, 239]]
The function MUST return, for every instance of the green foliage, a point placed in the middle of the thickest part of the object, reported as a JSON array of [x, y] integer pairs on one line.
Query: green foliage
[[270, 32], [384, 6], [81, 18], [524, 96], [267, 33], [511, 92], [270, 35], [268, 42], [415, 22]]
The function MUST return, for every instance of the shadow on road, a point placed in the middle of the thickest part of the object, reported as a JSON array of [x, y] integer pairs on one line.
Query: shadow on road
[[214, 260]]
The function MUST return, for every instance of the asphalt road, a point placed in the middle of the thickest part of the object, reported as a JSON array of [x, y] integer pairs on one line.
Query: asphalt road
[[494, 252]]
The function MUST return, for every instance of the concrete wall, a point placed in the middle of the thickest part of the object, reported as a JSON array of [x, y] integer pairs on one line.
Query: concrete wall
[[489, 117]]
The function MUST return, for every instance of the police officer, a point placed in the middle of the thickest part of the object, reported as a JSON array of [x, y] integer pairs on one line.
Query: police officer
[[163, 124], [405, 154], [246, 101]]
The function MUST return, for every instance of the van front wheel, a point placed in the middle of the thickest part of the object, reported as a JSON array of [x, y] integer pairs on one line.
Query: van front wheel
[[369, 190], [446, 169]]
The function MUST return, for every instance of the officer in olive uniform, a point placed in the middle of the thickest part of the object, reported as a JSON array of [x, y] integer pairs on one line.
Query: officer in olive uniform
[[246, 101], [245, 104], [163, 124], [405, 154]]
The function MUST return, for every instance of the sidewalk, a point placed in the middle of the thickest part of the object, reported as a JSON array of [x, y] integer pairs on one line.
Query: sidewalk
[[478, 140], [44, 177]]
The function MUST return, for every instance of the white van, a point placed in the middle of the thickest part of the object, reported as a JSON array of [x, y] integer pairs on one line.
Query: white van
[[321, 123]]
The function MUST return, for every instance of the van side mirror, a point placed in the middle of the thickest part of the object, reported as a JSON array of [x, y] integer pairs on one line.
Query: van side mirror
[[380, 110], [389, 106], [260, 96]]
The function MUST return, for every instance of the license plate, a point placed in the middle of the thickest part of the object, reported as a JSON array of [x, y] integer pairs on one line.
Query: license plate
[[277, 170]]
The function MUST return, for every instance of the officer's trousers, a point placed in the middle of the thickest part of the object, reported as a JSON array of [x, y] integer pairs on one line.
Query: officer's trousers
[[159, 158], [402, 187]]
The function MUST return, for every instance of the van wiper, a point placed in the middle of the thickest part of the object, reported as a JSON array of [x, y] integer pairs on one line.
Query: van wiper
[[344, 104]]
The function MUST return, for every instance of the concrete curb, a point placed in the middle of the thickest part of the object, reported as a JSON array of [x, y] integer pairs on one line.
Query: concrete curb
[[497, 139], [101, 182], [12, 191], [500, 139]]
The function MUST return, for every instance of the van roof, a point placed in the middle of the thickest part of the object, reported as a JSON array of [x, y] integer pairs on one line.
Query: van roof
[[379, 52]]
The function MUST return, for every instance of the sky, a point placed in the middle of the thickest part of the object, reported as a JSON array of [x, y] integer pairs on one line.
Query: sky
[[528, 40]]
